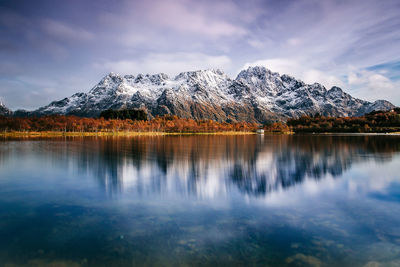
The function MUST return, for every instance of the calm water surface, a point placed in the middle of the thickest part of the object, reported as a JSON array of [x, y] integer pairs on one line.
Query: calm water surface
[[201, 200]]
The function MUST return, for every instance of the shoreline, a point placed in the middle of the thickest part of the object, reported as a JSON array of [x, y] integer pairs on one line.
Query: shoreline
[[348, 133], [101, 134], [23, 134]]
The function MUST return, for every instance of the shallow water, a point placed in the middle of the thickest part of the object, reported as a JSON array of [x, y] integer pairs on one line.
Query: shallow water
[[201, 200]]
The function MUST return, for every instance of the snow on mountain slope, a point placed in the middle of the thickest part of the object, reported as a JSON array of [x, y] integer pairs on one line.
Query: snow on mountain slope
[[256, 95], [4, 111]]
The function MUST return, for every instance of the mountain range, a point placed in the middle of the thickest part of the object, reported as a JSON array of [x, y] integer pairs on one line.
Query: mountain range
[[255, 95]]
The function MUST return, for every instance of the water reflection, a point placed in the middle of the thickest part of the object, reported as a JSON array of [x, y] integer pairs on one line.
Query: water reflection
[[200, 200], [208, 166]]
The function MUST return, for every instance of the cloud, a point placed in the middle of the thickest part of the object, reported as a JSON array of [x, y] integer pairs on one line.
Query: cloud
[[312, 40], [330, 35], [390, 69], [205, 19], [65, 32], [294, 41], [298, 70], [379, 81], [256, 43], [369, 79], [34, 35], [179, 16], [170, 63], [372, 85]]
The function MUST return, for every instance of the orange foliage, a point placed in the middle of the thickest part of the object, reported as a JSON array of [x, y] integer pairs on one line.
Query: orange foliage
[[377, 121], [166, 123], [277, 127]]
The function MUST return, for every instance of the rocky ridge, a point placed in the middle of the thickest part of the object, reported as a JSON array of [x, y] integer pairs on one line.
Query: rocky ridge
[[256, 95]]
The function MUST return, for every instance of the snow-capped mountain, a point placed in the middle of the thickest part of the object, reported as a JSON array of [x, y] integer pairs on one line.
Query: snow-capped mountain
[[4, 111], [256, 95]]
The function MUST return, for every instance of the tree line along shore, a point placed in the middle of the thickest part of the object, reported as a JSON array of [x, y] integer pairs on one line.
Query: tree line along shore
[[134, 122], [373, 122], [73, 125]]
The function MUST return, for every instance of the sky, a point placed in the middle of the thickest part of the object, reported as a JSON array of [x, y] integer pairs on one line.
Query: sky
[[52, 49]]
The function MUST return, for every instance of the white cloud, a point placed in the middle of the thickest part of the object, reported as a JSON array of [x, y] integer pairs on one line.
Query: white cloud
[[354, 79], [298, 70], [372, 85], [379, 81], [171, 64], [372, 80]]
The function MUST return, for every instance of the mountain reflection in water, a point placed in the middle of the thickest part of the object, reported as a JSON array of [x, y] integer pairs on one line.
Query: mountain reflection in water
[[207, 166], [313, 200]]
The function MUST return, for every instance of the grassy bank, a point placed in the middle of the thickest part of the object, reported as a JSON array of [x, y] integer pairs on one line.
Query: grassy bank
[[119, 133]]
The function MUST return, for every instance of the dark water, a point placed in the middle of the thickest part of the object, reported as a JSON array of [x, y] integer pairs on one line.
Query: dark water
[[201, 200]]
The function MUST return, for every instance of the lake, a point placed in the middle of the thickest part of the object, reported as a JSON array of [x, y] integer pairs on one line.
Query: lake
[[282, 200]]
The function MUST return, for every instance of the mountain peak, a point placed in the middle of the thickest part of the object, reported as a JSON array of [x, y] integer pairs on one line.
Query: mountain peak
[[4, 111], [336, 89], [106, 84], [199, 73], [111, 77], [209, 78], [380, 105], [260, 72], [158, 78], [216, 71]]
